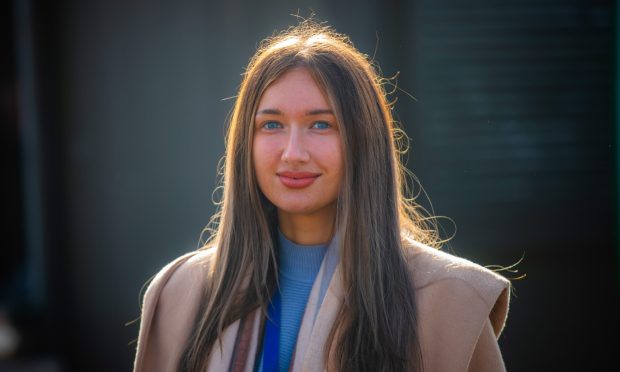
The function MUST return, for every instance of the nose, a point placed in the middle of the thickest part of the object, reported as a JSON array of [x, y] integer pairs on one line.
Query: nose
[[295, 150]]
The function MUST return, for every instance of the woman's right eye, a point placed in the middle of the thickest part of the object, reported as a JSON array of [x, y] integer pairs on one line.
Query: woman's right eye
[[272, 125]]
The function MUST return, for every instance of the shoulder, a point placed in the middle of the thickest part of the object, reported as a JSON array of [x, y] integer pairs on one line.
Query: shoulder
[[465, 283], [185, 272], [179, 283], [462, 307], [169, 308]]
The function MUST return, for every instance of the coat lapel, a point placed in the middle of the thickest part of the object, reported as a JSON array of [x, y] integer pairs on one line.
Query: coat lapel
[[321, 311], [313, 358]]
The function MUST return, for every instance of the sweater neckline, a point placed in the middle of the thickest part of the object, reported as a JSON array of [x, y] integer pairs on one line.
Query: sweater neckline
[[299, 261]]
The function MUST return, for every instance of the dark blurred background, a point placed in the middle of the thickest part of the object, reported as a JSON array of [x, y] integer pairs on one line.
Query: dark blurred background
[[113, 116]]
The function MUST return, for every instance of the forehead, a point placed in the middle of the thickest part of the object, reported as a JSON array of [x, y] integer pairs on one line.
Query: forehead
[[295, 90]]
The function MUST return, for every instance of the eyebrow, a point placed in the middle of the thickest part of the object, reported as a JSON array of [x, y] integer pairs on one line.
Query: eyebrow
[[270, 111]]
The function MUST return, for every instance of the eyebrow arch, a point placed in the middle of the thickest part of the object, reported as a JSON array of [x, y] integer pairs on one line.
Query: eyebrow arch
[[270, 112], [308, 113], [319, 112]]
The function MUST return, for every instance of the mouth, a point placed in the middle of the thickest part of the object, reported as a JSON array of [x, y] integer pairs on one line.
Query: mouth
[[297, 180]]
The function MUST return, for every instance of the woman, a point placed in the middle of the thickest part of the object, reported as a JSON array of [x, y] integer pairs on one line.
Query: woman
[[319, 262]]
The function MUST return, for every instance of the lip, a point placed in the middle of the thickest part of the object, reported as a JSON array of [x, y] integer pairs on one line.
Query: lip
[[297, 180]]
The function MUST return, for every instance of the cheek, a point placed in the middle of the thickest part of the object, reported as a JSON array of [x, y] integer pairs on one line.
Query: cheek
[[333, 155], [257, 161], [262, 158]]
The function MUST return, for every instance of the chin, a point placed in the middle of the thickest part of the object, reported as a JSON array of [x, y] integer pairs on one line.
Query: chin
[[303, 209], [298, 210]]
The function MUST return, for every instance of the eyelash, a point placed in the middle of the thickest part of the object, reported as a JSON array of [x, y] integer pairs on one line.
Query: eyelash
[[268, 124]]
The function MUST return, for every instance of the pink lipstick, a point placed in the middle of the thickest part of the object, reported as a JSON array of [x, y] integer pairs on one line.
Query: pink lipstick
[[297, 180]]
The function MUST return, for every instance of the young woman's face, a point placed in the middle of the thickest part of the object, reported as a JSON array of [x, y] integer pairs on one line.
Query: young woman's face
[[297, 152]]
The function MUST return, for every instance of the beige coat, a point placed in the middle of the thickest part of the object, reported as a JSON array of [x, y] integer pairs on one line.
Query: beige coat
[[462, 308]]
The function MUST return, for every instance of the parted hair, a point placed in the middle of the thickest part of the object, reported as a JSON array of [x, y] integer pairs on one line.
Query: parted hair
[[376, 327]]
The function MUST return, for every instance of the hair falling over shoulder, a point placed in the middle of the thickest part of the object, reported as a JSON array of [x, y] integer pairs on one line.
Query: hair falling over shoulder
[[376, 327]]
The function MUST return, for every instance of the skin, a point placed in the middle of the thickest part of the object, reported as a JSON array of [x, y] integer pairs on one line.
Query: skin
[[297, 141]]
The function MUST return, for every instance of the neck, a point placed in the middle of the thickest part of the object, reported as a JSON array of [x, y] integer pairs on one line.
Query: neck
[[308, 229]]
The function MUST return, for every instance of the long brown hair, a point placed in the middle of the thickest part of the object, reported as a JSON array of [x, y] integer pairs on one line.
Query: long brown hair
[[376, 326]]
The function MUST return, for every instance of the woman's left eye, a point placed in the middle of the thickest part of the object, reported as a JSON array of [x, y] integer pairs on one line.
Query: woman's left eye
[[321, 125], [271, 125]]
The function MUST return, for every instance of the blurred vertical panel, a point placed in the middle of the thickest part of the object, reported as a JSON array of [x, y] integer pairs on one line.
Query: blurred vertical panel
[[617, 143], [30, 156], [27, 342], [513, 134], [12, 250], [522, 91]]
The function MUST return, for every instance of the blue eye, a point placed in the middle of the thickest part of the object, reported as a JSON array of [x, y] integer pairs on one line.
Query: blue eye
[[272, 125], [321, 125]]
